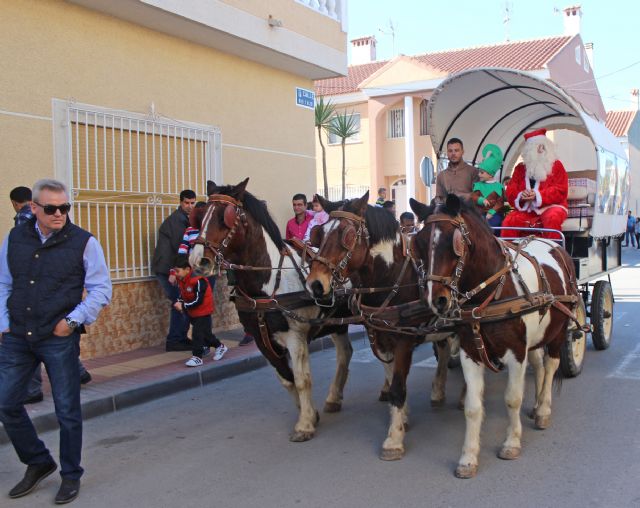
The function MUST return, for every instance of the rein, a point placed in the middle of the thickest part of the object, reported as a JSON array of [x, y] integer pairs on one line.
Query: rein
[[492, 309], [234, 216]]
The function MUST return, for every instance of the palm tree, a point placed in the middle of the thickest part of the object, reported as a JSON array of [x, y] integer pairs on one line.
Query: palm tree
[[343, 126], [324, 112]]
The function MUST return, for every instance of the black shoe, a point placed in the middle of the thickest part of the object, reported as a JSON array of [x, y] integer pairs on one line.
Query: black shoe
[[68, 491], [247, 339], [32, 399], [179, 346], [85, 378], [32, 478]]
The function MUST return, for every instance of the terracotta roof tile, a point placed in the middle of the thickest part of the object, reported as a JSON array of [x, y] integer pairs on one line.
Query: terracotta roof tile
[[619, 122], [523, 55]]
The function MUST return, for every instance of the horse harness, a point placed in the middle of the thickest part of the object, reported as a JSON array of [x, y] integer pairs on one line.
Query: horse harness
[[234, 214], [492, 308], [410, 318]]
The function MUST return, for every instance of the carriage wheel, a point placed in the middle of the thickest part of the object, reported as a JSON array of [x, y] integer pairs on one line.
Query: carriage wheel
[[602, 315], [574, 348]]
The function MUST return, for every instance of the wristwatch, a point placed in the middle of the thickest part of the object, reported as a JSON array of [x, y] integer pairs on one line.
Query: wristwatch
[[71, 323]]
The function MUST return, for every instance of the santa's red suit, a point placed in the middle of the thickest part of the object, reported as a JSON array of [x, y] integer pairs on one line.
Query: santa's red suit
[[548, 209]]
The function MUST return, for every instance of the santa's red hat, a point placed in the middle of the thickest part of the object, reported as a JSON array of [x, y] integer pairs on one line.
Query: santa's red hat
[[530, 136]]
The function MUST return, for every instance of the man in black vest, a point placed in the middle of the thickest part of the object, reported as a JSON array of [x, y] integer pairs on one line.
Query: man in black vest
[[45, 264]]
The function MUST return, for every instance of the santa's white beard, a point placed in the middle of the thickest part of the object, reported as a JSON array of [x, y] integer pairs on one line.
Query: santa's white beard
[[539, 165]]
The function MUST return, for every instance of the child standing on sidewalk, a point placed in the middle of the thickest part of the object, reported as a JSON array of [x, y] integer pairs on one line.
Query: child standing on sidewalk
[[196, 299]]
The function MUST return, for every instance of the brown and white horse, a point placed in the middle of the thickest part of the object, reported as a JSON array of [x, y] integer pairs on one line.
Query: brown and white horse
[[459, 253], [364, 243], [238, 229]]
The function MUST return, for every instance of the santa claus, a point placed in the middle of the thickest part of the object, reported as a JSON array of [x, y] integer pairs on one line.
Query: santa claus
[[538, 189]]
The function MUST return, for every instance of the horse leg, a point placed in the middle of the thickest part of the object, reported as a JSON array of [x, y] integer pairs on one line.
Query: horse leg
[[344, 350], [440, 379], [473, 413], [308, 416], [513, 400], [536, 359], [543, 410], [384, 391], [388, 376], [393, 446]]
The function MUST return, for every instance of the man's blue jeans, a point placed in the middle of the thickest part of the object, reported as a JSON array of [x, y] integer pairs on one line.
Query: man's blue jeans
[[178, 322], [35, 385], [18, 361]]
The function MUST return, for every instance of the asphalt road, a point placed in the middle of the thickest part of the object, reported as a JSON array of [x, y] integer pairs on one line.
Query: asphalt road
[[226, 445]]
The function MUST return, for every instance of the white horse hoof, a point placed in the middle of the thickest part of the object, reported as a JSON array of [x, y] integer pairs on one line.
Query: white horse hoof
[[542, 422], [298, 436], [332, 407], [509, 453], [465, 471], [437, 402], [392, 454]]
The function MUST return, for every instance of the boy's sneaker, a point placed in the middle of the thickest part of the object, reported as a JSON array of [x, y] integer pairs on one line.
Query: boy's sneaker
[[220, 351], [194, 361]]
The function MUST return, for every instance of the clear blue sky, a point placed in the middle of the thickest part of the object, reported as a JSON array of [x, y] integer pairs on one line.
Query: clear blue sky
[[422, 26]]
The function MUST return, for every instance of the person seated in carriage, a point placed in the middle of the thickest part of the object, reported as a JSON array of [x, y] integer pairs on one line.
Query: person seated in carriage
[[538, 189], [488, 193]]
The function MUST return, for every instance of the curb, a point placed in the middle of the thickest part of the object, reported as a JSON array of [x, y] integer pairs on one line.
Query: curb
[[168, 386]]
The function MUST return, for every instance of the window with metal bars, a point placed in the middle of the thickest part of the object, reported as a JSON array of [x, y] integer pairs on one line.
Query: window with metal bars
[[126, 173], [395, 128]]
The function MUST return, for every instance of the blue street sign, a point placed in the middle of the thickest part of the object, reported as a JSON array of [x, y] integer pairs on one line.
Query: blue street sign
[[305, 98]]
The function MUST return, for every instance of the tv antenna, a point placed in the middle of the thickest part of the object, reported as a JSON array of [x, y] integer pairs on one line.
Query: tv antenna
[[508, 11], [392, 32]]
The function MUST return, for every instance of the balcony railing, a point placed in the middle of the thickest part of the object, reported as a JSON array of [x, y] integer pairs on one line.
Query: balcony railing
[[332, 8]]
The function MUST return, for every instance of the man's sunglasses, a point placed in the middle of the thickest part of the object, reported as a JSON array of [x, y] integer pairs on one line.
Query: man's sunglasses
[[51, 209]]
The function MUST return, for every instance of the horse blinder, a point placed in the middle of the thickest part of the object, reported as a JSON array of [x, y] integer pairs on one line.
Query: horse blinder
[[230, 215], [348, 238], [458, 243]]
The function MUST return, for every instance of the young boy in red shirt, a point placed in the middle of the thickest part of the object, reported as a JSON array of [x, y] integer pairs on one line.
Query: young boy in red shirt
[[196, 299]]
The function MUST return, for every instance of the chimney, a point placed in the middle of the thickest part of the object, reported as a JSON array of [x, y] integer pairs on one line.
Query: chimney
[[635, 98], [363, 50], [572, 19], [588, 50]]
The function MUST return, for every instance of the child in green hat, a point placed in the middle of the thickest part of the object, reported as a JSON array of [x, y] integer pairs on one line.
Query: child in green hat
[[488, 193]]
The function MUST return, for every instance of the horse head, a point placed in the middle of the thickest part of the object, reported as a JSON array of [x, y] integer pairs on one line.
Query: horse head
[[342, 244], [222, 227], [443, 247]]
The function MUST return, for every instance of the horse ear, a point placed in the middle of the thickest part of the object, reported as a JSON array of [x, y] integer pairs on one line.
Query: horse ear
[[421, 210], [452, 204], [240, 189], [328, 206], [211, 187], [360, 205]]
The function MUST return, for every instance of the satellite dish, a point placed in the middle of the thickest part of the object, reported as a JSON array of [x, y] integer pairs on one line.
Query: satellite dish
[[426, 171]]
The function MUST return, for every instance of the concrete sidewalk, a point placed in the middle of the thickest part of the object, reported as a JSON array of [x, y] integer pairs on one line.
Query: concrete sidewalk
[[126, 379]]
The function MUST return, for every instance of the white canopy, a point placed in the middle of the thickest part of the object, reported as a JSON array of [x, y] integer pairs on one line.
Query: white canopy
[[491, 105], [498, 106]]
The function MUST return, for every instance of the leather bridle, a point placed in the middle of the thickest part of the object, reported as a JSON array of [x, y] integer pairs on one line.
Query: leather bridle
[[356, 224], [232, 222], [461, 250]]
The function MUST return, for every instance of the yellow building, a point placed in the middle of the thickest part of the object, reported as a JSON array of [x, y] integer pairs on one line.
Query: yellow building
[[130, 102], [389, 99]]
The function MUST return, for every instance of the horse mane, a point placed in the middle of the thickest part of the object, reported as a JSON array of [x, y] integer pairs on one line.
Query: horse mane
[[381, 223], [468, 207], [258, 210]]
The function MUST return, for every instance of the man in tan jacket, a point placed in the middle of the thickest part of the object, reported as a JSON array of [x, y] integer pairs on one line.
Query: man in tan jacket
[[459, 176]]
